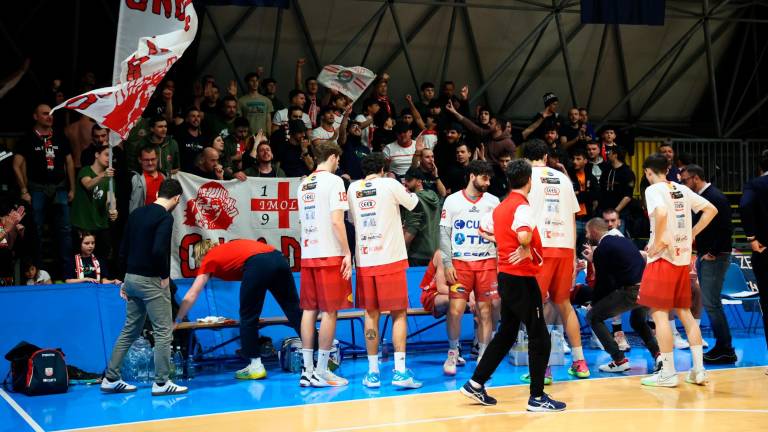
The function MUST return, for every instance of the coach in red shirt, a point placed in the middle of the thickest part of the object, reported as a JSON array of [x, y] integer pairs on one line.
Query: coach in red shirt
[[261, 268]]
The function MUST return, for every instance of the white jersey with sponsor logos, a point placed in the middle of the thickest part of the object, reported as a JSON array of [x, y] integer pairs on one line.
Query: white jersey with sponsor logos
[[464, 216], [319, 194], [679, 202], [374, 207], [554, 205]]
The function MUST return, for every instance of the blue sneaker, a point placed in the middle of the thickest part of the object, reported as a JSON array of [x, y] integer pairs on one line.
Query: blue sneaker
[[372, 380], [545, 404], [478, 395], [405, 380]]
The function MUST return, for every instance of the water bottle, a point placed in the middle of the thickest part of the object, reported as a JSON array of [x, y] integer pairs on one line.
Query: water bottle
[[190, 367], [177, 366]]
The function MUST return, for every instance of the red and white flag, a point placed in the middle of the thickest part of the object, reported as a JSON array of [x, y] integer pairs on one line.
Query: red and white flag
[[119, 107], [349, 81]]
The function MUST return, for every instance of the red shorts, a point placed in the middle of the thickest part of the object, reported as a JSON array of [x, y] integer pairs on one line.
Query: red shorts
[[665, 286], [324, 289], [477, 276], [428, 295], [556, 276], [383, 288]]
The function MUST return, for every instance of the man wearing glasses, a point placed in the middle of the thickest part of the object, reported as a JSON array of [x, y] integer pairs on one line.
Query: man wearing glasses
[[144, 185]]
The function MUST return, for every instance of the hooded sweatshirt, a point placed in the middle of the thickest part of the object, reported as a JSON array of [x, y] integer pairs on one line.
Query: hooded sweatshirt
[[423, 223]]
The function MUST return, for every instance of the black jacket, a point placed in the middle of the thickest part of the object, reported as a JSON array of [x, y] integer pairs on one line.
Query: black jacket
[[716, 237], [618, 264], [146, 247], [591, 192], [754, 209]]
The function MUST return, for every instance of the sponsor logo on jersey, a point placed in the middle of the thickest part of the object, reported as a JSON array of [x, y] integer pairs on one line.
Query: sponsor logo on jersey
[[550, 180], [676, 195], [468, 224], [309, 186], [459, 238], [551, 190], [367, 204], [474, 210], [308, 197], [365, 193]]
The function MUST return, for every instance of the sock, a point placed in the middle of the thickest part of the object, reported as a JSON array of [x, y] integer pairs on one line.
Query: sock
[[400, 361], [309, 364], [475, 385], [481, 350], [255, 363], [577, 353], [373, 363], [674, 328], [668, 363], [698, 357], [453, 344], [322, 360]]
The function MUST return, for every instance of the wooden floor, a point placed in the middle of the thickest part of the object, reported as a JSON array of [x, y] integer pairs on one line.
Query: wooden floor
[[736, 400]]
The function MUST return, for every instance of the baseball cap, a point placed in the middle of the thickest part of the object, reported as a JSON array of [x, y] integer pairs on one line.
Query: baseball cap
[[549, 98]]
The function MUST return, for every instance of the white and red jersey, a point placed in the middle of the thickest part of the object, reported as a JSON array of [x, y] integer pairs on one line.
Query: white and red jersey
[[321, 133], [679, 202], [554, 205], [374, 207], [430, 138], [319, 195], [366, 133], [401, 158], [463, 216]]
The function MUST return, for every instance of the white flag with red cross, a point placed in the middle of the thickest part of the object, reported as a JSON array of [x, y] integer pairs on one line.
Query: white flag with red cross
[[263, 209], [349, 81], [119, 107]]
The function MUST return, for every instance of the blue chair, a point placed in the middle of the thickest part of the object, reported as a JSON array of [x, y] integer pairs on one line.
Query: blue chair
[[737, 292]]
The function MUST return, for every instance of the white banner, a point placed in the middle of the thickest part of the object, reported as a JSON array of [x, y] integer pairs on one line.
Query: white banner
[[349, 81], [259, 208], [161, 44]]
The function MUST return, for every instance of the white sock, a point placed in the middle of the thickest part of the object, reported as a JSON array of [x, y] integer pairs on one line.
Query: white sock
[[577, 353], [674, 328], [400, 361], [322, 360], [453, 344], [616, 320], [309, 363], [255, 363], [475, 385], [373, 363], [697, 352], [668, 363]]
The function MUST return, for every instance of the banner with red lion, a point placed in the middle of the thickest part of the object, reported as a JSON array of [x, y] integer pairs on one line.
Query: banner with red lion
[[216, 211]]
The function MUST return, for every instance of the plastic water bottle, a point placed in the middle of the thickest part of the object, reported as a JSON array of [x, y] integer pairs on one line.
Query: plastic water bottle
[[190, 367], [177, 364]]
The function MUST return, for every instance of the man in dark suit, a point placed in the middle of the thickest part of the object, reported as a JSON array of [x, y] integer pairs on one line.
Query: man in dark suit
[[754, 213], [713, 250]]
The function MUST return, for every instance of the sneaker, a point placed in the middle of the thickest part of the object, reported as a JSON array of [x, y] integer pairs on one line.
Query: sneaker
[[526, 378], [544, 403], [616, 367], [657, 363], [251, 373], [372, 380], [720, 356], [305, 380], [621, 341], [660, 379], [327, 379], [698, 377], [478, 395], [566, 348], [704, 343], [475, 349], [169, 388], [459, 359], [405, 380], [579, 369], [681, 343], [118, 386], [449, 367]]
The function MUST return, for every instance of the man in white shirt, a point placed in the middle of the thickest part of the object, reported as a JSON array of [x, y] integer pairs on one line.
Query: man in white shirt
[[325, 130], [666, 282], [555, 206], [381, 257], [401, 154], [469, 259], [296, 99], [326, 263]]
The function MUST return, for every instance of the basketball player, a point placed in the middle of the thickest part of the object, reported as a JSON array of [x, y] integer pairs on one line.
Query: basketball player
[[665, 284], [326, 263], [434, 289], [555, 205], [468, 258], [520, 258], [374, 205]]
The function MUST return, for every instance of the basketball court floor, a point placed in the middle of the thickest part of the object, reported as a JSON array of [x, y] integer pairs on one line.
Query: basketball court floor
[[735, 400]]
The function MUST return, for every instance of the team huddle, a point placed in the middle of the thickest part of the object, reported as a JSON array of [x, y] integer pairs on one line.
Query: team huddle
[[515, 255]]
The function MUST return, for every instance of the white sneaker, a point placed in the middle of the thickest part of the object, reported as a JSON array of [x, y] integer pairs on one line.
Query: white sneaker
[[566, 348], [118, 386], [660, 379], [614, 367], [169, 388], [621, 341], [704, 343], [327, 379], [460, 360], [681, 343], [698, 377], [449, 367], [305, 381]]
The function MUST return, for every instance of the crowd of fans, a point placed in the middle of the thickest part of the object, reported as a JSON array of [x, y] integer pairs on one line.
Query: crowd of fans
[[60, 176]]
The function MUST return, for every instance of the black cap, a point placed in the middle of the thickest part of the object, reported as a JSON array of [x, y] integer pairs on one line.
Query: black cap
[[549, 98], [415, 173], [296, 126]]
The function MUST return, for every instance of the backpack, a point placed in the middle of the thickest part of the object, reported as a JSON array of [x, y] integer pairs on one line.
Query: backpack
[[37, 371]]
